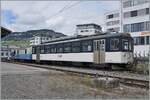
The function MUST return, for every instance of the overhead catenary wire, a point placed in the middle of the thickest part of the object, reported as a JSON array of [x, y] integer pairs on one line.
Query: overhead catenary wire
[[65, 8]]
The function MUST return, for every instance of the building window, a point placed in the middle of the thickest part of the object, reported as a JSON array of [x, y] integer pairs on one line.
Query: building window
[[110, 16], [141, 12], [133, 13], [114, 44], [142, 40], [134, 27], [127, 28], [127, 4], [116, 29], [6, 53], [147, 40], [147, 25], [116, 15], [137, 27], [81, 31], [112, 23], [147, 10], [25, 51], [136, 2], [17, 51], [2, 54], [130, 3], [126, 14]]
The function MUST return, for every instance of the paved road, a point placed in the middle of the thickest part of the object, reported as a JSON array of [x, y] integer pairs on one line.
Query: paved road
[[9, 68]]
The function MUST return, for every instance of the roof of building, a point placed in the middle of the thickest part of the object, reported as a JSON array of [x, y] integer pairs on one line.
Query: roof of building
[[5, 31], [88, 25], [111, 12]]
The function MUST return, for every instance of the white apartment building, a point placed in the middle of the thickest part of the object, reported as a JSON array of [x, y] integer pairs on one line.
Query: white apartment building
[[36, 40], [135, 19], [88, 29], [112, 21]]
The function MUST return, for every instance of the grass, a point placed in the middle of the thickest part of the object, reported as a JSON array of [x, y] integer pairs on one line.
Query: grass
[[16, 43], [141, 68]]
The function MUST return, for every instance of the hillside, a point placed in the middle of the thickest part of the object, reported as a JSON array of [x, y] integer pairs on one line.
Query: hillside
[[17, 36]]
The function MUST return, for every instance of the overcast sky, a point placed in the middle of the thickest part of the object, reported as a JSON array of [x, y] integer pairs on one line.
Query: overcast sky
[[30, 15]]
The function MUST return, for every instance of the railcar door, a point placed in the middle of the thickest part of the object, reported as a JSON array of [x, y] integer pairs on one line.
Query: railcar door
[[38, 54], [99, 51]]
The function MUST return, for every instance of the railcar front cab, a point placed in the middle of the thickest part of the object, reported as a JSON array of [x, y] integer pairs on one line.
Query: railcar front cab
[[120, 50]]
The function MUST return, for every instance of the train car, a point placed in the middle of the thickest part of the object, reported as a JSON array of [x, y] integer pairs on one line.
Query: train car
[[95, 49], [23, 54]]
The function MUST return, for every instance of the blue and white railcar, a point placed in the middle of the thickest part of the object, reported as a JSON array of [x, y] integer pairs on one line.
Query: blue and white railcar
[[24, 54], [96, 49]]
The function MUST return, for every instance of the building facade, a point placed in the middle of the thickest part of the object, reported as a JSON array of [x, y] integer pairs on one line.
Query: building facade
[[8, 52], [4, 52], [112, 21], [36, 40], [88, 29], [135, 19]]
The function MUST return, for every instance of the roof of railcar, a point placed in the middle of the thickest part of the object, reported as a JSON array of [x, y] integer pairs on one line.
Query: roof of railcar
[[104, 35]]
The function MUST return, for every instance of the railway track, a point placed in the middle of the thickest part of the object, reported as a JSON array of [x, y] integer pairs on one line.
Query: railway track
[[128, 79]]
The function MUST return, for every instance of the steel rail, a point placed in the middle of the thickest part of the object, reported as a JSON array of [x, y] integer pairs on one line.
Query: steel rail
[[125, 80]]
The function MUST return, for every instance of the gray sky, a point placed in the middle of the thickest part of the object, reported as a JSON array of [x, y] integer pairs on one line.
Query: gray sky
[[29, 15]]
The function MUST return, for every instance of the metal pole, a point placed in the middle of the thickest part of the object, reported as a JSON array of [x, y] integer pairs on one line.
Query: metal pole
[[121, 19], [149, 36]]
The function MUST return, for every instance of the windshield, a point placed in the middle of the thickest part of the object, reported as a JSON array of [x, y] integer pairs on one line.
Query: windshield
[[127, 45]]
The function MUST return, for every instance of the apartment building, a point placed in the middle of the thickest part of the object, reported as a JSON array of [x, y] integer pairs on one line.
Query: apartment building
[[88, 29], [134, 18], [36, 40]]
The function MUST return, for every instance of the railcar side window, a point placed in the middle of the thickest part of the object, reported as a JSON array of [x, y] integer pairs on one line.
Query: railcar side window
[[75, 47], [47, 49], [42, 49], [87, 46], [114, 44], [60, 48], [67, 47], [53, 49]]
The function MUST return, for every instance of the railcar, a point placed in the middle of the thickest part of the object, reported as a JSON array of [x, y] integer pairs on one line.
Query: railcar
[[23, 54], [95, 49]]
